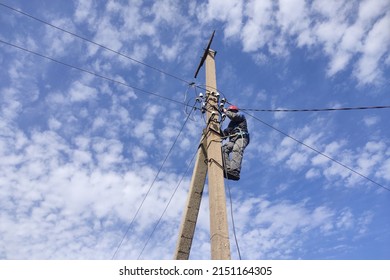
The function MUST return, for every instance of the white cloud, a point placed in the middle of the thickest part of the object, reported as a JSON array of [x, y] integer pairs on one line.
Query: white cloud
[[293, 16], [345, 220], [62, 194], [58, 43], [80, 92], [371, 120], [285, 148], [228, 11], [342, 29], [138, 154], [79, 154], [144, 129], [312, 173], [169, 52], [384, 170], [54, 124], [376, 45], [166, 11], [279, 226], [85, 11], [256, 31], [297, 160], [280, 115], [11, 105], [366, 160], [108, 35]]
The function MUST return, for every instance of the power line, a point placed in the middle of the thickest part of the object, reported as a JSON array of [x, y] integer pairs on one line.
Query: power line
[[94, 43], [151, 186], [92, 73], [127, 85], [175, 76], [319, 152], [318, 110], [102, 46], [169, 202]]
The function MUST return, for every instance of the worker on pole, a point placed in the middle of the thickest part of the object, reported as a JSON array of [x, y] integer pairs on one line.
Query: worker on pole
[[238, 138]]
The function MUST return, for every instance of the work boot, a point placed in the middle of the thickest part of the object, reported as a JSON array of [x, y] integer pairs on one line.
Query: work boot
[[232, 175]]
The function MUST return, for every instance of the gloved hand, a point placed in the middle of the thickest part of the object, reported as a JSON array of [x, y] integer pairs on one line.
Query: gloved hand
[[226, 132]]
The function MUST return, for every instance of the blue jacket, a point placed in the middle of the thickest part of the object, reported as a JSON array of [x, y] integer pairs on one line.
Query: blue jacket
[[237, 127]]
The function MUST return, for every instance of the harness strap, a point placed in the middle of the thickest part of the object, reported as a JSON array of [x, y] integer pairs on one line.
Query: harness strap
[[240, 133]]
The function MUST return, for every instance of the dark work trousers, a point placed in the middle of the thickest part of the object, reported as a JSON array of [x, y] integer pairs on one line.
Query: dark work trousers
[[233, 152]]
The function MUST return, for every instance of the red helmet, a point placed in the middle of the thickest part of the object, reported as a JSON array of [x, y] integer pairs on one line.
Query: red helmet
[[232, 108]]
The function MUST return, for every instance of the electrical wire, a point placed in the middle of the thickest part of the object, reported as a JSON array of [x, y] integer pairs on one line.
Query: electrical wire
[[317, 110], [94, 43], [169, 202], [101, 46], [151, 186], [175, 76], [124, 84], [319, 152], [92, 73], [189, 99]]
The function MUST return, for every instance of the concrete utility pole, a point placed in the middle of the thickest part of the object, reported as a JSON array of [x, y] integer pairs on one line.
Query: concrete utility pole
[[219, 232], [209, 159], [191, 211]]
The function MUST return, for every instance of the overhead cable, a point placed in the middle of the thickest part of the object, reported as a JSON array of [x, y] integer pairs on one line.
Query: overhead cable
[[94, 43], [101, 46], [169, 202], [320, 153], [92, 73], [150, 188], [318, 110]]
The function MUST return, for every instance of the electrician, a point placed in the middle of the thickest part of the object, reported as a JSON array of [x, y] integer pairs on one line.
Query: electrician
[[238, 139]]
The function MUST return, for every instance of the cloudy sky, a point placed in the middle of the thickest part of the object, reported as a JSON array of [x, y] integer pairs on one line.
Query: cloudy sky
[[97, 135]]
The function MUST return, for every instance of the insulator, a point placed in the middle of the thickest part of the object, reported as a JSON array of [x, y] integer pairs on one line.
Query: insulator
[[201, 95], [203, 107]]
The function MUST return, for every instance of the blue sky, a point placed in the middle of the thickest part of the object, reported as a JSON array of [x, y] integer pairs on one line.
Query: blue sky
[[86, 158]]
